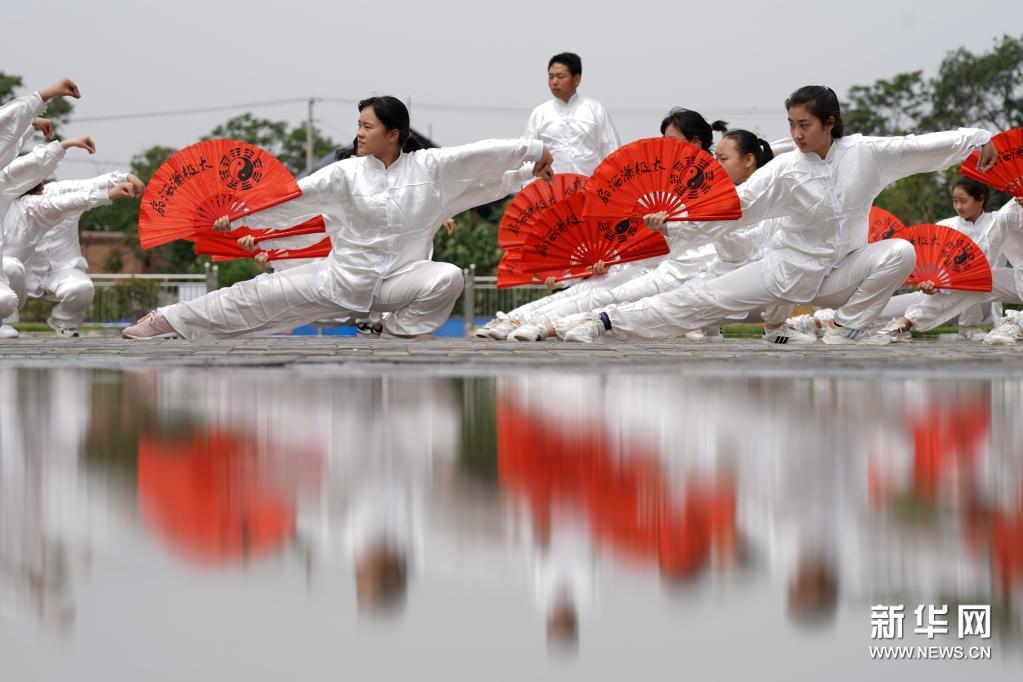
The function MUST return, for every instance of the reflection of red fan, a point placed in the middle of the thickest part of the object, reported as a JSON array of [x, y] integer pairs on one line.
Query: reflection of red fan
[[631, 504], [203, 494], [1007, 173], [225, 244], [883, 225], [208, 180], [532, 201], [561, 239], [948, 258], [661, 174]]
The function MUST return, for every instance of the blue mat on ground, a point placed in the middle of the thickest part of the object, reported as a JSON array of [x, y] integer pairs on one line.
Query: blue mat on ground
[[453, 328]]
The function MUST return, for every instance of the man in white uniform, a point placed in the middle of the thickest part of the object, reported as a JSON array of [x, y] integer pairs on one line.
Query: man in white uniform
[[576, 129]]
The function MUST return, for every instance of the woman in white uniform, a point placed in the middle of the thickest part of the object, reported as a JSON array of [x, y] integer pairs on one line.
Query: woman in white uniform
[[381, 210], [820, 254], [520, 324], [740, 153], [929, 308]]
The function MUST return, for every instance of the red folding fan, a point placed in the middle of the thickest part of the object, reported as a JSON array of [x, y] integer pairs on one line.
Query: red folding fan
[[206, 181], [562, 239], [533, 200], [510, 274], [209, 243], [661, 174], [1007, 173], [320, 249], [948, 258], [883, 225]]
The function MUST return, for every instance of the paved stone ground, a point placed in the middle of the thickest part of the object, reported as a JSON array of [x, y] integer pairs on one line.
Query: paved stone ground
[[474, 356]]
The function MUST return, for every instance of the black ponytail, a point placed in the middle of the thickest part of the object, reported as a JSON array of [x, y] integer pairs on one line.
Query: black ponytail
[[748, 143], [691, 124], [977, 190], [822, 102]]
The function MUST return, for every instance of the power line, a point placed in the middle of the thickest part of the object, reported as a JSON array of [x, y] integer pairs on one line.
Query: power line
[[750, 112], [185, 112], [102, 162]]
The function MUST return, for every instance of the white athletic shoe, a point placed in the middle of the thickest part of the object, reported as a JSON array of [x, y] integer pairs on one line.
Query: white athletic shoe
[[373, 328], [587, 331], [695, 335], [528, 332], [786, 335], [824, 315], [843, 336], [498, 328], [713, 334], [8, 332], [566, 324], [971, 334], [804, 323], [65, 331], [1008, 330], [815, 324], [898, 332]]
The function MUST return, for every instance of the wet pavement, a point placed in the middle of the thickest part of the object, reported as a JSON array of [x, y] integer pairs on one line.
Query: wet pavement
[[744, 355], [318, 523]]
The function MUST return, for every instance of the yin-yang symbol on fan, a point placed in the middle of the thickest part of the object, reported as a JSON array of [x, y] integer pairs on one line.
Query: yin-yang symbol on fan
[[241, 168]]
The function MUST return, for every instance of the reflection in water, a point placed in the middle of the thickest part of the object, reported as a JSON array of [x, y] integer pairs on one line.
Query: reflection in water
[[550, 489]]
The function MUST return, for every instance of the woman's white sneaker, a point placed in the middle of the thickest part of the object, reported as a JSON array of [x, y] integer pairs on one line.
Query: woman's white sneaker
[[1008, 330], [528, 332], [844, 336], [898, 332], [587, 331], [788, 336]]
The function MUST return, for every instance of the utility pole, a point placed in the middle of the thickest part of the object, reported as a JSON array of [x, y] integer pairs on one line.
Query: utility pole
[[309, 137]]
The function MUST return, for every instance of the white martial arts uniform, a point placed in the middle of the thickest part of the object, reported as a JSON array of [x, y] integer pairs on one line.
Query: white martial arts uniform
[[578, 132], [56, 269], [18, 177], [999, 235], [620, 279], [728, 253], [16, 119], [28, 221], [382, 222], [820, 253]]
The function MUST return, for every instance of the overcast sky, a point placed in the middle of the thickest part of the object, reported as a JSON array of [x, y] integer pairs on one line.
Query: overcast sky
[[735, 61]]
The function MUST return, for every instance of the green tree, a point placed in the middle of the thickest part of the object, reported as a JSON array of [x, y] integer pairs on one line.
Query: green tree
[[888, 107], [287, 144], [970, 89], [979, 89], [473, 242]]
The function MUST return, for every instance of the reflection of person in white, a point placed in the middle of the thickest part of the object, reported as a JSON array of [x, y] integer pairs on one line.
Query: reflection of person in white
[[382, 210], [41, 234], [576, 129], [820, 253]]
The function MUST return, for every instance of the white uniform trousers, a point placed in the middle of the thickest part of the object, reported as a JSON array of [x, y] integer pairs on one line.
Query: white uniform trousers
[[73, 291], [859, 287], [927, 312], [420, 299]]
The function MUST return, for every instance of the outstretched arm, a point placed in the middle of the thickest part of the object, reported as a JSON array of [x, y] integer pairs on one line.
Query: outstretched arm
[[321, 194], [477, 173], [900, 157]]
